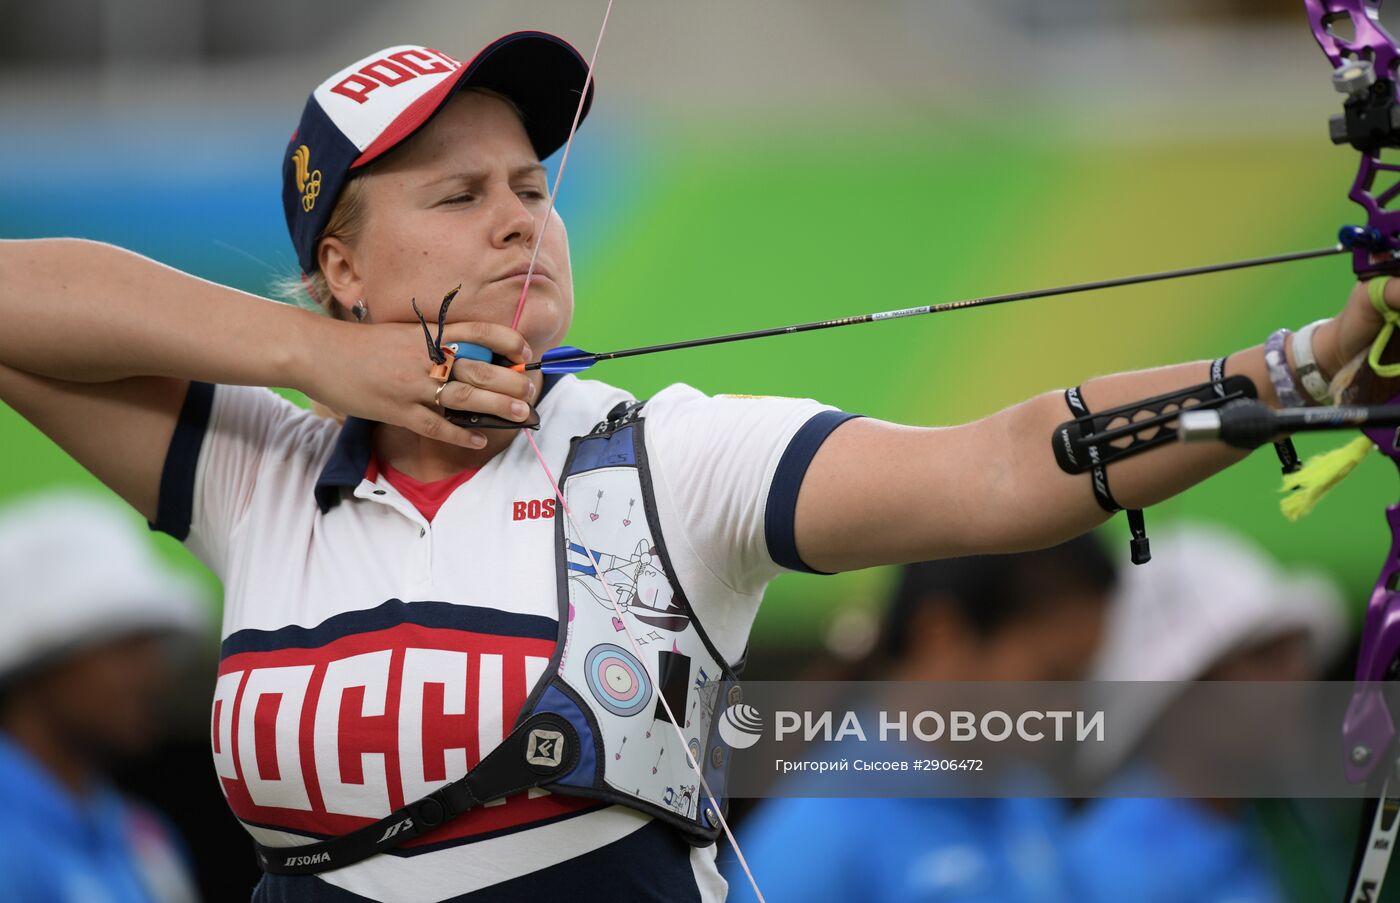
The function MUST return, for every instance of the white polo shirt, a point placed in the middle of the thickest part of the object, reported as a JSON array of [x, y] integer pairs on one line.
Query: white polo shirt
[[370, 656]]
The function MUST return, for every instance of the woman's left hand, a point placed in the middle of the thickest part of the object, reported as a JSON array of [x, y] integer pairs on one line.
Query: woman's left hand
[[1351, 333]]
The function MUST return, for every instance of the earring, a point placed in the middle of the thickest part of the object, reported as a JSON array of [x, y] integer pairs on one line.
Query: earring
[[359, 311]]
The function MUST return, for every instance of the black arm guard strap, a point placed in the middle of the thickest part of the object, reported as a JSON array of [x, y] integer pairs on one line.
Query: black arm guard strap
[[1084, 451]]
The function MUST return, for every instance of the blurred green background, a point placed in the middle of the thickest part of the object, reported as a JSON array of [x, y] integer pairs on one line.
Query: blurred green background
[[751, 166], [715, 230]]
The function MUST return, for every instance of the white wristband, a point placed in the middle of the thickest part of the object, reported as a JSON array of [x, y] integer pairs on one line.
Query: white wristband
[[1308, 373]]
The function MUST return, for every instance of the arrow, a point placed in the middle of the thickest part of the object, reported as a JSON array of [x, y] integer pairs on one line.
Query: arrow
[[568, 359]]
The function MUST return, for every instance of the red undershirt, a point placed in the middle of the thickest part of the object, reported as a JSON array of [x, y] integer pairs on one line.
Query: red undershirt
[[426, 497]]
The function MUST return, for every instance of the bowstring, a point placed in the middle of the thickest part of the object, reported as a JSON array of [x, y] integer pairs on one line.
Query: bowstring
[[559, 494], [563, 162]]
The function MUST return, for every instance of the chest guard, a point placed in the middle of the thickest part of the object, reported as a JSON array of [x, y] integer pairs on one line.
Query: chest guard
[[594, 725], [612, 698]]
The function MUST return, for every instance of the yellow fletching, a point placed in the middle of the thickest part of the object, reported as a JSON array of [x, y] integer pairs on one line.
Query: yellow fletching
[[1308, 485]]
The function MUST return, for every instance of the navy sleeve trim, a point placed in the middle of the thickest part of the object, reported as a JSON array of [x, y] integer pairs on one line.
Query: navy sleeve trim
[[780, 516], [175, 508]]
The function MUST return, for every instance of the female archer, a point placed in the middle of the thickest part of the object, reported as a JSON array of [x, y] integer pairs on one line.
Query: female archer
[[421, 694]]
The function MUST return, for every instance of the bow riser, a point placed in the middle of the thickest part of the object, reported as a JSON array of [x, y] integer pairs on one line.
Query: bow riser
[[1370, 39], [1364, 61], [1363, 57]]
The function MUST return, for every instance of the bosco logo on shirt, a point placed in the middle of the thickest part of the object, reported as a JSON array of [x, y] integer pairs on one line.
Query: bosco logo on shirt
[[533, 509]]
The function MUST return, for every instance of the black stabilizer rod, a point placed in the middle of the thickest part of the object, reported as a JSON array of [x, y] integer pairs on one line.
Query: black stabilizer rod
[[1249, 424]]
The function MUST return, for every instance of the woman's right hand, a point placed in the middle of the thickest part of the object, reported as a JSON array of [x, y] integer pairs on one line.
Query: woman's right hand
[[379, 371]]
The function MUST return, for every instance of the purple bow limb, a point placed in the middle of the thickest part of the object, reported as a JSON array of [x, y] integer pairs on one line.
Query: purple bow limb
[[1369, 729]]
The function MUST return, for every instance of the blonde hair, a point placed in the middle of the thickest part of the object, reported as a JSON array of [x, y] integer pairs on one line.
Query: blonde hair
[[312, 290]]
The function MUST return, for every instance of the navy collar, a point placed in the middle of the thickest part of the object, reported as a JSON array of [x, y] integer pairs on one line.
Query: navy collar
[[350, 457], [347, 464]]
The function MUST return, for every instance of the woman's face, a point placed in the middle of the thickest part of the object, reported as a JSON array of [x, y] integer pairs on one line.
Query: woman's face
[[463, 202]]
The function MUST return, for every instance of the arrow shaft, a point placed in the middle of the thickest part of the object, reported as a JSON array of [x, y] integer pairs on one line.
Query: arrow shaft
[[964, 304]]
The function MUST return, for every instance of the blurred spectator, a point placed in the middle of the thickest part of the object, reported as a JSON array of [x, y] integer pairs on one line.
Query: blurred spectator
[[85, 611], [1209, 607], [1035, 616]]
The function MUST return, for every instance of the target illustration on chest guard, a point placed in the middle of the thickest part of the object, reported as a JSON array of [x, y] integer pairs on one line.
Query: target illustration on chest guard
[[617, 679]]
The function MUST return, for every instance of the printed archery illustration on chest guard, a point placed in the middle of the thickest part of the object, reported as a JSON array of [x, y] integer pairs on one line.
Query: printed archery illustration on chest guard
[[635, 579], [607, 482]]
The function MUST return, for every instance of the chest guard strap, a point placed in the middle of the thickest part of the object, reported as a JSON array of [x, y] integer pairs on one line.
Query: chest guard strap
[[538, 750]]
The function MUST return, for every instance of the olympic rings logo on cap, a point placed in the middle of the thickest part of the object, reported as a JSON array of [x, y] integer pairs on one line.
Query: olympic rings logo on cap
[[308, 183]]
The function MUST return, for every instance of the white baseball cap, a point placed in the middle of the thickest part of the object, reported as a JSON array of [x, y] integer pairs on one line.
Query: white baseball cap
[[371, 106], [1207, 593], [75, 571]]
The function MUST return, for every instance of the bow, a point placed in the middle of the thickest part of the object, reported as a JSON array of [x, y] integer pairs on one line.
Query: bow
[[1363, 55]]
